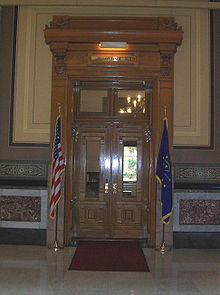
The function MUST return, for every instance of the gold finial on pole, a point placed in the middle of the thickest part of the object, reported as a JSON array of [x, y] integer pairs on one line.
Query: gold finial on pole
[[59, 104], [165, 111]]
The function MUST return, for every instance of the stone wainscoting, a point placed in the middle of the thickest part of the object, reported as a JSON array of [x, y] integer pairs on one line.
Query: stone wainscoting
[[196, 204], [23, 202]]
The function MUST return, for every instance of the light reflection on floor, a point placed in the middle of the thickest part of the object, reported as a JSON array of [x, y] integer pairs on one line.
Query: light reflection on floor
[[33, 270]]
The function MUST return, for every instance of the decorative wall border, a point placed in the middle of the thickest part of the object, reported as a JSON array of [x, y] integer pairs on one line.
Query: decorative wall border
[[197, 173], [25, 173]]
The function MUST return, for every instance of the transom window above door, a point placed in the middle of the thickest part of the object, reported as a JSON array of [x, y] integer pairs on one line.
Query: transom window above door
[[116, 99]]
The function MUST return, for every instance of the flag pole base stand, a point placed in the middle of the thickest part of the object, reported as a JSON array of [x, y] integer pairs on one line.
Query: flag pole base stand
[[56, 246], [163, 248]]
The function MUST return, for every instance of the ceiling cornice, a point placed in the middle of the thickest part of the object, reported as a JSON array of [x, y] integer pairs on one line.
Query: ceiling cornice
[[115, 3]]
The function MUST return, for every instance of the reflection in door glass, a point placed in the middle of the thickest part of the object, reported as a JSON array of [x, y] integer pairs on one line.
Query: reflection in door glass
[[130, 170], [93, 101], [131, 101], [92, 168]]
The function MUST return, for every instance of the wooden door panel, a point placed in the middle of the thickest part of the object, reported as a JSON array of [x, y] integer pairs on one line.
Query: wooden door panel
[[91, 210], [128, 223], [127, 217], [92, 214], [92, 220], [128, 214], [117, 212]]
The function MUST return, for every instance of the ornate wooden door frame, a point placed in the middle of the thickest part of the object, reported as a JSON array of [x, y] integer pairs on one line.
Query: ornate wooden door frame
[[151, 45]]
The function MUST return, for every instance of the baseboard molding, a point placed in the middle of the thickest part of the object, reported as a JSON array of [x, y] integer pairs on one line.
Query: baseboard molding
[[196, 240], [22, 236]]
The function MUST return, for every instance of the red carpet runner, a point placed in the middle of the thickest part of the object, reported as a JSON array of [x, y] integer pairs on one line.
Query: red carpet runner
[[109, 256]]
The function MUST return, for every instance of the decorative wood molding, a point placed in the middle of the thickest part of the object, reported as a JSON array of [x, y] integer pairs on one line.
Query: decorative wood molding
[[75, 132], [148, 133], [151, 23], [153, 30], [59, 53], [168, 24], [165, 64]]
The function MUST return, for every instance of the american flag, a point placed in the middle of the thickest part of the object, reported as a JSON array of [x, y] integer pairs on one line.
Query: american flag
[[57, 167]]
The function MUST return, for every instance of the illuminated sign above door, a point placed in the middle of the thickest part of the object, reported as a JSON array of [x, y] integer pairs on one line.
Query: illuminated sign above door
[[112, 59]]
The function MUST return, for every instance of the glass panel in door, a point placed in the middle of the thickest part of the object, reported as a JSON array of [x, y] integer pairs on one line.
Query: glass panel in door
[[129, 180], [92, 168], [131, 101], [93, 101]]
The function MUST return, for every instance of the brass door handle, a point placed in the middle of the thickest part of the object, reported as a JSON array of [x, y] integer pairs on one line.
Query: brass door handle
[[106, 186], [114, 188], [73, 201]]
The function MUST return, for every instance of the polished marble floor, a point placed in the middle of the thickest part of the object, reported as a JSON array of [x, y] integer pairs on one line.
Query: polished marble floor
[[35, 270]]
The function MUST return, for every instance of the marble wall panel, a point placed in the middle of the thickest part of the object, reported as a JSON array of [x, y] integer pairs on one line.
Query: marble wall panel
[[196, 211], [20, 208], [199, 212], [23, 208]]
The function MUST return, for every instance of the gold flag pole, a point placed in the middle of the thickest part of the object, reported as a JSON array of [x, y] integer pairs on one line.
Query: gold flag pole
[[163, 248], [56, 246]]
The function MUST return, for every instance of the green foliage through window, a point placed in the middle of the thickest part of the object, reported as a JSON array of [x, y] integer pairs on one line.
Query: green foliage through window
[[130, 163]]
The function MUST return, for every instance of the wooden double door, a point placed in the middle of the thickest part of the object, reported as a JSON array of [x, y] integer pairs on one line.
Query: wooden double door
[[110, 181], [111, 160]]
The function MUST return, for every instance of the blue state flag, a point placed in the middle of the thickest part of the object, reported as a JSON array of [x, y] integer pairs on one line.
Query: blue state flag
[[164, 176]]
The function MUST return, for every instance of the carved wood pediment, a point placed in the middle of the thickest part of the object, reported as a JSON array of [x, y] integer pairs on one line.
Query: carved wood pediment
[[150, 23], [95, 29], [152, 34]]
